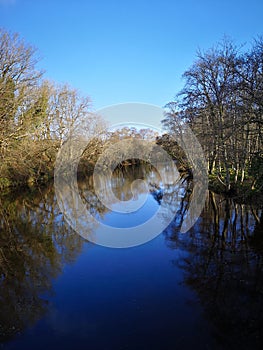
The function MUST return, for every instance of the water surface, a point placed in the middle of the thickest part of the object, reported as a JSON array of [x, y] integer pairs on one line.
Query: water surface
[[202, 289]]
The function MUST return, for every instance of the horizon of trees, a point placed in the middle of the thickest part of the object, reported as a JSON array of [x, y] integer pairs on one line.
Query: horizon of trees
[[222, 102]]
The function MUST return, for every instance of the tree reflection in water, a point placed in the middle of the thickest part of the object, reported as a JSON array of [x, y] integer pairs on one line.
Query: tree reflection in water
[[159, 184], [224, 265], [34, 245], [222, 259]]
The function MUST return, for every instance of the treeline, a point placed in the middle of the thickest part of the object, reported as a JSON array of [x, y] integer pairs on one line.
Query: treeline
[[35, 115], [222, 101]]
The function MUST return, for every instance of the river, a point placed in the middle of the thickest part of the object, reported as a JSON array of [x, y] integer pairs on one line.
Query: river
[[197, 290]]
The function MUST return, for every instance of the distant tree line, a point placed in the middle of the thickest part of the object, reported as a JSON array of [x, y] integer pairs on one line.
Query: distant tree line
[[222, 101]]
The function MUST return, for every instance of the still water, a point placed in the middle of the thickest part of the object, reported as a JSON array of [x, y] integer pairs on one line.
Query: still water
[[198, 290]]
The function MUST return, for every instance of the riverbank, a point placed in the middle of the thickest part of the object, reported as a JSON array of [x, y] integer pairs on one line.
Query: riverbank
[[242, 193]]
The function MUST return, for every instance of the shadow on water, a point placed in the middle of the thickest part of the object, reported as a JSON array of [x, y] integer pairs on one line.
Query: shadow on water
[[221, 260], [224, 265]]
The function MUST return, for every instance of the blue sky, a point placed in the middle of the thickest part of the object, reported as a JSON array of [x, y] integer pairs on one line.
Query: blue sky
[[123, 51]]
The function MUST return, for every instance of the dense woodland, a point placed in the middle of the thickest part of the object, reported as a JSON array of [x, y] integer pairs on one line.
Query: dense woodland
[[222, 101]]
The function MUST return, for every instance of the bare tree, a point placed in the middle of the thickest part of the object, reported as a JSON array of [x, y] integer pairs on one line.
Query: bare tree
[[222, 102]]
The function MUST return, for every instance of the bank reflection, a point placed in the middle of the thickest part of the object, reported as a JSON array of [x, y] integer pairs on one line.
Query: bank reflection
[[34, 245], [224, 265]]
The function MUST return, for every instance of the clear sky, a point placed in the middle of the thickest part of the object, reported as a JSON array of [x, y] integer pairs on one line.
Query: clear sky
[[127, 51]]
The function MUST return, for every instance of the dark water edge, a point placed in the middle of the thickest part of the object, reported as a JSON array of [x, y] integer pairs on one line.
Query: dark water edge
[[202, 289]]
